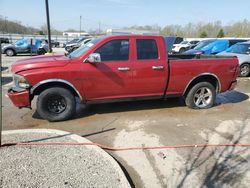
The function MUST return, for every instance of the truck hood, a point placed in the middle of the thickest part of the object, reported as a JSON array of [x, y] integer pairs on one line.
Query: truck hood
[[39, 62]]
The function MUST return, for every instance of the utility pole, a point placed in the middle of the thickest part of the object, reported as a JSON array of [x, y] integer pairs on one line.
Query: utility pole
[[99, 28], [48, 24], [1, 96], [80, 24], [5, 24]]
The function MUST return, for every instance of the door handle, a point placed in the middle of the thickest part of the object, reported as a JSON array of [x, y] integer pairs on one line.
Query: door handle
[[157, 67], [123, 68]]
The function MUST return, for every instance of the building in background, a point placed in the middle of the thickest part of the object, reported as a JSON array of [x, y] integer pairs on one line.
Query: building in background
[[75, 34], [130, 31]]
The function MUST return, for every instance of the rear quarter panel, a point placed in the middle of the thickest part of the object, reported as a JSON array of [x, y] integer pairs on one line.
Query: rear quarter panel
[[182, 72]]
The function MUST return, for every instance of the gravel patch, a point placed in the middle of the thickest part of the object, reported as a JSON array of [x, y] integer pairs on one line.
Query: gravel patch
[[56, 166]]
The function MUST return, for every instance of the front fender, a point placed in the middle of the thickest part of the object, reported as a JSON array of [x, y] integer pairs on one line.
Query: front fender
[[54, 81]]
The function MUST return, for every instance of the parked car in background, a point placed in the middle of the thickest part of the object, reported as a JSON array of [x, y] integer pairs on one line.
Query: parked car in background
[[70, 42], [37, 46], [199, 46], [213, 46], [4, 40], [242, 51], [171, 41], [55, 44], [184, 46], [82, 43], [72, 45]]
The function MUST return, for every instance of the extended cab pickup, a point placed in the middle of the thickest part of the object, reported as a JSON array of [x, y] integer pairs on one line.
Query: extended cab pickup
[[114, 68]]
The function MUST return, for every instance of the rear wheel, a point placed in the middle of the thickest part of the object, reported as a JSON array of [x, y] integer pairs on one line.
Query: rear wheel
[[182, 50], [201, 96], [244, 70], [10, 52], [56, 104]]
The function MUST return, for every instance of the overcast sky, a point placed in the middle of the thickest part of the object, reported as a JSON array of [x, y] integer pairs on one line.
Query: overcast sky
[[65, 14]]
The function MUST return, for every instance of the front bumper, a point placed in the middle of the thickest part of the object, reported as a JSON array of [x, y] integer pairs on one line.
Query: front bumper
[[175, 50], [20, 98]]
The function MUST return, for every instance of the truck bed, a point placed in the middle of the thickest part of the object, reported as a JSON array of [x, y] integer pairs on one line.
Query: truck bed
[[187, 56]]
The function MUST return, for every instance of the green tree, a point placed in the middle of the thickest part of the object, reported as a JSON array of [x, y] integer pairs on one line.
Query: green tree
[[221, 34], [203, 34]]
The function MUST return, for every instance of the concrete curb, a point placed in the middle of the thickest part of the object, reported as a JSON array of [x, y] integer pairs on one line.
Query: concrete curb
[[123, 180]]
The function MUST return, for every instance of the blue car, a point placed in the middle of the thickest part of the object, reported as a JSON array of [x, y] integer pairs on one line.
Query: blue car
[[37, 46], [213, 46]]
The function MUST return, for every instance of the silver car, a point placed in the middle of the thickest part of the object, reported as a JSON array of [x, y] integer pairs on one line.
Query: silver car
[[242, 51]]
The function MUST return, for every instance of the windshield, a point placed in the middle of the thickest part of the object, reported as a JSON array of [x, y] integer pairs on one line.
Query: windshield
[[81, 50], [203, 43], [184, 42], [73, 41], [240, 48]]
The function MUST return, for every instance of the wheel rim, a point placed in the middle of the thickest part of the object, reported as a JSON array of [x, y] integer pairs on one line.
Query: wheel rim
[[203, 97], [244, 70], [56, 104], [9, 52]]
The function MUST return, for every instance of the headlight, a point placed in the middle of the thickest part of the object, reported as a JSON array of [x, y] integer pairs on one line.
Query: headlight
[[20, 81]]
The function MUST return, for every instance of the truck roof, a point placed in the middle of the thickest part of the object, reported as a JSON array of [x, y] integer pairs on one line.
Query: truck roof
[[131, 35]]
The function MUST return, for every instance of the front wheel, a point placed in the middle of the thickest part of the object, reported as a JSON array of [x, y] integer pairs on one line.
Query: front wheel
[[201, 96], [56, 104], [244, 70], [182, 50], [10, 52]]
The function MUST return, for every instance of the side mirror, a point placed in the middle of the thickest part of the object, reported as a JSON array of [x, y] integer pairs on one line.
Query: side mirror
[[93, 58]]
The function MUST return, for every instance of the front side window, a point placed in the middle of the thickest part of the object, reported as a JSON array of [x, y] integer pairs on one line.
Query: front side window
[[146, 49], [115, 50]]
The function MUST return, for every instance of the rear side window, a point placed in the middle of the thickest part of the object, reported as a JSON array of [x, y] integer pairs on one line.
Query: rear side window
[[146, 49], [115, 50]]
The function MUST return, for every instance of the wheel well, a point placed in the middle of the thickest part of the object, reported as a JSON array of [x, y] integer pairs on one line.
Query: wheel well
[[45, 86], [204, 78], [9, 49], [245, 63], [41, 49]]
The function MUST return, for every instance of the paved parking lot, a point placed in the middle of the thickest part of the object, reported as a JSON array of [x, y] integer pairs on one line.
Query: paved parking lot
[[158, 123]]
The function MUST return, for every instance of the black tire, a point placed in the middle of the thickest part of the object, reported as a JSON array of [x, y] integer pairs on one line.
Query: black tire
[[244, 70], [182, 50], [56, 104], [197, 98], [10, 52], [41, 52]]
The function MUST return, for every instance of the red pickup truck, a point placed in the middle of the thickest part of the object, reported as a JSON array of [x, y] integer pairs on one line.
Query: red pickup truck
[[115, 68]]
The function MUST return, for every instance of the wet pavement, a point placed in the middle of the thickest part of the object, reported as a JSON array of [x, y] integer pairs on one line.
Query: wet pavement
[[157, 123]]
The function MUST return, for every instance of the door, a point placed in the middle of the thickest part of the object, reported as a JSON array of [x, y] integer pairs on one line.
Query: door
[[150, 68], [112, 77]]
